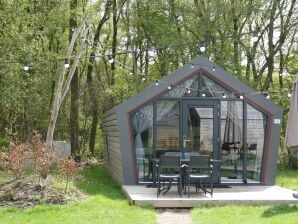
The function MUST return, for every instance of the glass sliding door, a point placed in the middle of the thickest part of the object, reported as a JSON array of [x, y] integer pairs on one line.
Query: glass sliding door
[[167, 126], [200, 130]]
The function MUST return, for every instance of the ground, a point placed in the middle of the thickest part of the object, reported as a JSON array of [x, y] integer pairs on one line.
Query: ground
[[173, 216], [27, 192]]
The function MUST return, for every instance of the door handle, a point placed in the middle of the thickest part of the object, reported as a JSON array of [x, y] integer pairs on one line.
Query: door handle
[[185, 141]]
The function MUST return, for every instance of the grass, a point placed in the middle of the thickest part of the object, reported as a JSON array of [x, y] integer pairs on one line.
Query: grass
[[287, 178], [246, 214], [105, 204], [4, 176], [257, 214]]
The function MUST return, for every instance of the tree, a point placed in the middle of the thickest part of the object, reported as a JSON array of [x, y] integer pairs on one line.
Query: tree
[[64, 81], [74, 89], [92, 88]]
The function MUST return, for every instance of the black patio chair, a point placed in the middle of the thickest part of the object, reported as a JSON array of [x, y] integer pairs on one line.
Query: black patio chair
[[200, 168], [168, 169], [252, 152]]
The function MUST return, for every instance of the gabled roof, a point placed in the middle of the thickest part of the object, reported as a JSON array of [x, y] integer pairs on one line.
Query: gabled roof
[[183, 73]]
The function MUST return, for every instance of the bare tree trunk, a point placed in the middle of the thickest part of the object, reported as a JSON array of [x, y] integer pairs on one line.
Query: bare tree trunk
[[64, 81], [74, 114], [114, 42], [270, 58], [92, 89], [236, 41], [74, 90]]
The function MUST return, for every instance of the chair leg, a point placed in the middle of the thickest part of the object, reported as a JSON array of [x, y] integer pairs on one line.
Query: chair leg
[[205, 188], [158, 187], [211, 185], [188, 185], [180, 186], [157, 192], [144, 169]]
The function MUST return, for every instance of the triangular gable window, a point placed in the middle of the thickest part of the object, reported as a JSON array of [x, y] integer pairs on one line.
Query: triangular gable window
[[199, 85]]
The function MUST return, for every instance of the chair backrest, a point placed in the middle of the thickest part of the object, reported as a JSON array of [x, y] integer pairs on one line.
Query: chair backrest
[[187, 155], [200, 162], [166, 161], [174, 154], [253, 146], [226, 147]]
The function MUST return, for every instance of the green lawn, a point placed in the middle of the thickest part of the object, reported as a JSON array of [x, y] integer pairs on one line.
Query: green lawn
[[287, 178], [246, 214], [105, 204], [255, 214]]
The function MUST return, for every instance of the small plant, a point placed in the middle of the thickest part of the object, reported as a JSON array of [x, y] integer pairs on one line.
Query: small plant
[[68, 169], [3, 160], [16, 158], [41, 157]]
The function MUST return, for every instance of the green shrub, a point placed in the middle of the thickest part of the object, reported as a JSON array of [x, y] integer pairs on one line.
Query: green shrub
[[4, 143]]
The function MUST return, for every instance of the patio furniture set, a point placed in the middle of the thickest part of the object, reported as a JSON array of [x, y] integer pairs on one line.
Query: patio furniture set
[[191, 169]]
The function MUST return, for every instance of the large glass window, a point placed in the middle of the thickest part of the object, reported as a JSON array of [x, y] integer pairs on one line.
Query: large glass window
[[231, 140], [167, 126], [184, 89], [142, 122], [200, 129], [210, 88], [256, 126], [198, 86]]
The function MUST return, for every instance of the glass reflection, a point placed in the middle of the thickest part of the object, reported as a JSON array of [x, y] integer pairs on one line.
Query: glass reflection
[[256, 126], [142, 123], [231, 140], [200, 130], [167, 126]]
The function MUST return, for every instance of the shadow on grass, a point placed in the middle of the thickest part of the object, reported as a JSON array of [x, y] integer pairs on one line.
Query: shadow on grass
[[97, 181], [279, 210]]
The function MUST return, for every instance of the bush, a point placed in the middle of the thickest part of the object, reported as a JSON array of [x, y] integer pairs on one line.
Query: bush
[[68, 169], [16, 158], [41, 156], [4, 143]]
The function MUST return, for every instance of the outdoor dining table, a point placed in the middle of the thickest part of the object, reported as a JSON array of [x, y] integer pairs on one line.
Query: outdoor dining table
[[183, 161]]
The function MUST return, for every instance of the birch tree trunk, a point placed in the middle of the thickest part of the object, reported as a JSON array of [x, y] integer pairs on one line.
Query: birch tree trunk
[[64, 79]]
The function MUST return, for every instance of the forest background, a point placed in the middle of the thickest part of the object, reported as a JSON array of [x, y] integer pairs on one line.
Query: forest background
[[127, 46]]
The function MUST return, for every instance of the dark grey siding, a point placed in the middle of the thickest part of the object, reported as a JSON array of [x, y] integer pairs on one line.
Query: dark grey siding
[[112, 145]]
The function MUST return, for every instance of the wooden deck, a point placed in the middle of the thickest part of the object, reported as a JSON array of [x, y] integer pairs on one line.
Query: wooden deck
[[141, 195]]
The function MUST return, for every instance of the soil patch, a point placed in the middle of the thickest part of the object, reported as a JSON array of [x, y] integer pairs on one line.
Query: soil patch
[[26, 192], [173, 216]]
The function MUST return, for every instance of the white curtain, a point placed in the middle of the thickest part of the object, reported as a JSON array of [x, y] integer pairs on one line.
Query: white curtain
[[141, 121]]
